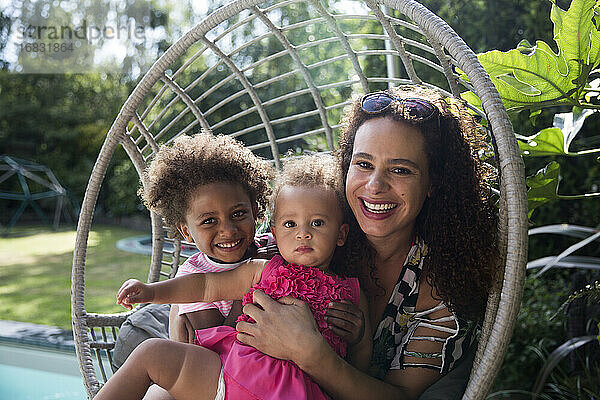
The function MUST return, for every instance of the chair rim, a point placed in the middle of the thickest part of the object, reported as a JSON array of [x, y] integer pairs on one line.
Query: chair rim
[[503, 305]]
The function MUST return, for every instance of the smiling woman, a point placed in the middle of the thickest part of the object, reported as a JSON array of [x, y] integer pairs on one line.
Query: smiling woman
[[420, 198], [388, 178]]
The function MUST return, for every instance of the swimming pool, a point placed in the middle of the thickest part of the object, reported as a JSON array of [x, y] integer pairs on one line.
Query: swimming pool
[[32, 373]]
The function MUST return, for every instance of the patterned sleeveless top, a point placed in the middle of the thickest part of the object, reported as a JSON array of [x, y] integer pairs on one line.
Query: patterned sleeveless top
[[400, 320]]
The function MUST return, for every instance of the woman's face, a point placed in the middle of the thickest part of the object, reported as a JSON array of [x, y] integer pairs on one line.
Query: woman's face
[[388, 179]]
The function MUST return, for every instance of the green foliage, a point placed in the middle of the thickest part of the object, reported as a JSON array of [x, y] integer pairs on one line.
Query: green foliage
[[543, 186], [558, 85], [122, 199], [495, 24], [590, 293], [139, 27], [60, 121], [534, 329], [535, 76], [555, 381], [548, 141], [557, 140]]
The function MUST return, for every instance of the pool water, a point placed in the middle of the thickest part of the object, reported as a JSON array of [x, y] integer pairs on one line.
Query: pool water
[[29, 373]]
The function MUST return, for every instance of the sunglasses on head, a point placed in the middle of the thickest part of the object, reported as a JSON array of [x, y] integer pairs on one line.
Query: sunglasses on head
[[413, 108]]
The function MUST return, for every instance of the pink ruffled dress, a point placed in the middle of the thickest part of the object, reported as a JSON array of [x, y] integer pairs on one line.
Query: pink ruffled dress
[[250, 374]]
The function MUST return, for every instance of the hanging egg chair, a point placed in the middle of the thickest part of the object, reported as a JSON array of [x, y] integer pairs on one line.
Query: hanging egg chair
[[276, 75]]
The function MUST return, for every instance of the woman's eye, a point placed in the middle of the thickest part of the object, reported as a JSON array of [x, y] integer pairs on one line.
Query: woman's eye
[[239, 213], [208, 221], [289, 224], [363, 164], [401, 171], [317, 222]]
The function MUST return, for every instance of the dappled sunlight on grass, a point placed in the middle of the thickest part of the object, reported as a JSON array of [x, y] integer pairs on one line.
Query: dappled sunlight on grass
[[35, 274], [34, 248]]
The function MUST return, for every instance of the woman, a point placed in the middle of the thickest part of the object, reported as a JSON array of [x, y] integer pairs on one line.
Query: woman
[[419, 194]]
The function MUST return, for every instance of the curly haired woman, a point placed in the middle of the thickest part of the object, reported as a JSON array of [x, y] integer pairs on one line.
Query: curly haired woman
[[420, 195]]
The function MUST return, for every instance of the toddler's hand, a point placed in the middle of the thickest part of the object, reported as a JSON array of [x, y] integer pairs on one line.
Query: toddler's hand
[[134, 291], [346, 320]]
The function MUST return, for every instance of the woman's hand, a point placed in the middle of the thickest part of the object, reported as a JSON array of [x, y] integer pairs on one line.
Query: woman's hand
[[134, 291], [284, 329], [346, 320], [180, 327]]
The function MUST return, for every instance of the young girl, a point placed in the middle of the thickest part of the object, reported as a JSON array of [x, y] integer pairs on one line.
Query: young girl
[[210, 190], [308, 224]]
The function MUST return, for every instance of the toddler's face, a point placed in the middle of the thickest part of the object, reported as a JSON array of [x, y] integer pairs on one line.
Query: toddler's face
[[308, 225], [220, 221]]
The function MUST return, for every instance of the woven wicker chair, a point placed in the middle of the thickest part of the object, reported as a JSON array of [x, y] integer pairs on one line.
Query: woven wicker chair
[[206, 74]]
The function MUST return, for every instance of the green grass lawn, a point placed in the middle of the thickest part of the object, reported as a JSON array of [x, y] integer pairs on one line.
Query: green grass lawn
[[35, 273]]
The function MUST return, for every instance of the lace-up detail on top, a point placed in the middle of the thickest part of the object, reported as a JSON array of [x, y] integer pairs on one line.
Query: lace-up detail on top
[[402, 327]]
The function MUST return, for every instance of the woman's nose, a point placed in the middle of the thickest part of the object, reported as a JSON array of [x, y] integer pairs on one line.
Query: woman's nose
[[376, 183]]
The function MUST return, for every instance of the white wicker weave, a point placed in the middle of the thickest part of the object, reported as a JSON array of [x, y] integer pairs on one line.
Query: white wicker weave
[[205, 74]]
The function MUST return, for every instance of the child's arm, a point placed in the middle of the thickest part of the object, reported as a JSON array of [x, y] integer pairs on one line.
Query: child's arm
[[359, 354], [227, 285]]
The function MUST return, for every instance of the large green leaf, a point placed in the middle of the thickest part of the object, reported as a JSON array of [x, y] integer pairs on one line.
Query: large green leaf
[[573, 38], [555, 140], [543, 186], [547, 142], [535, 76], [571, 123]]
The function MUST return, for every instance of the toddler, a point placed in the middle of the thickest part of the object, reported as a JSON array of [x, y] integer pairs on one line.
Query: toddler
[[210, 190], [308, 224]]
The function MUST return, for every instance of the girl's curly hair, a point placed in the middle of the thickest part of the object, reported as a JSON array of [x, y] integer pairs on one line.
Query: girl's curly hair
[[323, 171], [458, 221], [192, 161]]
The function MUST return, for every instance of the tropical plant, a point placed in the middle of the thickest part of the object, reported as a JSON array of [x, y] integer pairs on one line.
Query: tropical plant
[[564, 84], [535, 77]]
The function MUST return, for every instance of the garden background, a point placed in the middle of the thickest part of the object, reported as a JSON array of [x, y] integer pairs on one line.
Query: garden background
[[60, 120]]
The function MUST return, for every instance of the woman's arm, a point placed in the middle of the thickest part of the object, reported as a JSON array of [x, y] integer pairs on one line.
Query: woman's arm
[[207, 287], [277, 322], [359, 354]]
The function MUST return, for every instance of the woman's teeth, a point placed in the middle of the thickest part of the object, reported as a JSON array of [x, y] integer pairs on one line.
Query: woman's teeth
[[380, 208], [229, 245]]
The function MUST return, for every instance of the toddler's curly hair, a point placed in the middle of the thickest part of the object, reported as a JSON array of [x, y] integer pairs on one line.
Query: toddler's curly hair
[[192, 161], [313, 170], [324, 171]]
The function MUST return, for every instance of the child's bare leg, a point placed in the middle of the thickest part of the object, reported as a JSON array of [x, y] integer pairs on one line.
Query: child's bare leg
[[155, 392], [186, 371]]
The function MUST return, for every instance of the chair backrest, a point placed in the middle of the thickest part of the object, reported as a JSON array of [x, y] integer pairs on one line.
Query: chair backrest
[[277, 75]]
